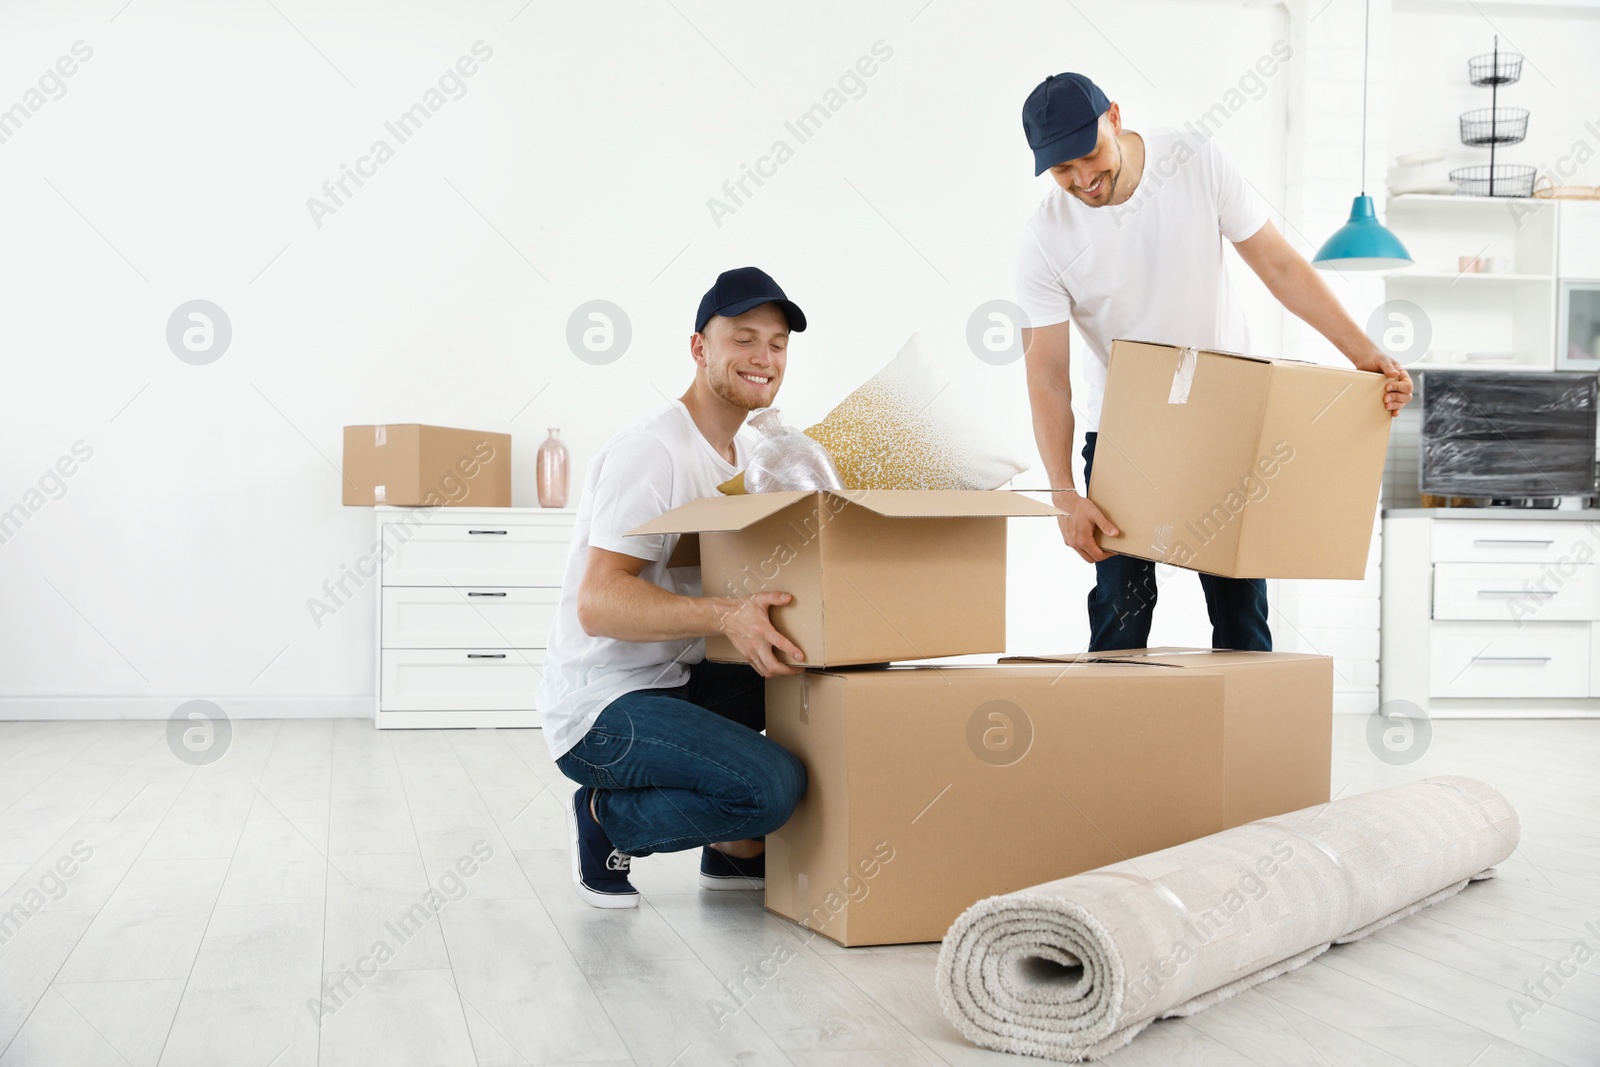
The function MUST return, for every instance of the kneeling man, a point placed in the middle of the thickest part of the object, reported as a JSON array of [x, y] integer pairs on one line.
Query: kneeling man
[[667, 748]]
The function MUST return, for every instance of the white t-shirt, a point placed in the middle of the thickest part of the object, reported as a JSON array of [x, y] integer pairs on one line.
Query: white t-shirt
[[1150, 269], [645, 470]]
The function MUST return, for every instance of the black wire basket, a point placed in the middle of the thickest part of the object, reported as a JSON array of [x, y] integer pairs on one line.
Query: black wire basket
[[1494, 125], [1498, 179], [1494, 68]]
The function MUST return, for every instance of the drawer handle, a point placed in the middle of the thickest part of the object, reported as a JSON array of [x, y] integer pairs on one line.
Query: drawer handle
[[486, 655], [1512, 541], [502, 532], [1511, 659], [1516, 592], [503, 594]]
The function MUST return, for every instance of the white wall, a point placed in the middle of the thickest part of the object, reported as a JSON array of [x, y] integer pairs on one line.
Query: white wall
[[1560, 86], [178, 164], [577, 165]]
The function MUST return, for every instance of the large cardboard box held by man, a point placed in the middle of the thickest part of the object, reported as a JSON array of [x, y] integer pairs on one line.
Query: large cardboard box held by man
[[931, 788], [1239, 466], [411, 465], [876, 575]]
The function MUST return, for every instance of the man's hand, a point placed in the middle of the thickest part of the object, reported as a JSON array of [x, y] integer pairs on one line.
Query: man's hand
[[1302, 289], [745, 622], [1079, 523], [1397, 390]]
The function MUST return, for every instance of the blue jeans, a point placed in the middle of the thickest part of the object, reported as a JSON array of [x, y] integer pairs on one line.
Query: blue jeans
[[679, 768], [1123, 600]]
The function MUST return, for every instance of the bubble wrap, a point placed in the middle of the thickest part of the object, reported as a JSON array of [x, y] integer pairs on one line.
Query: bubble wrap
[[785, 459]]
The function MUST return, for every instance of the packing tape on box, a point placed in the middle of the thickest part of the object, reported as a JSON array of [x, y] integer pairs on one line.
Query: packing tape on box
[[380, 435], [380, 494], [1184, 376], [1161, 544]]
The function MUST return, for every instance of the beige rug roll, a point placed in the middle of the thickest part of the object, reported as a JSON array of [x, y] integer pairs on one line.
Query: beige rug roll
[[1071, 970]]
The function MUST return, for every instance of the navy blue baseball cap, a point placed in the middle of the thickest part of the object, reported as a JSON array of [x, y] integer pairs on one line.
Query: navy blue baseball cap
[[737, 291], [1062, 119]]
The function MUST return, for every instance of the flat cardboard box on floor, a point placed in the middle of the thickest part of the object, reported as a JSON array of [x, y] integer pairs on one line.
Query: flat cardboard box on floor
[[412, 465], [930, 788], [1239, 466], [876, 575]]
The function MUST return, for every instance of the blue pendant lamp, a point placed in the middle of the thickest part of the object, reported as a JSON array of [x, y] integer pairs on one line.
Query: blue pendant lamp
[[1363, 243]]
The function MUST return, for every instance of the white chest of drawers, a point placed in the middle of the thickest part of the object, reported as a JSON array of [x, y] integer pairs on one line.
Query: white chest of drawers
[[1492, 614], [465, 603]]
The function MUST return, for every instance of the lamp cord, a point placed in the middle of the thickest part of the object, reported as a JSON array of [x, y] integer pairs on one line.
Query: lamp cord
[[1366, 47]]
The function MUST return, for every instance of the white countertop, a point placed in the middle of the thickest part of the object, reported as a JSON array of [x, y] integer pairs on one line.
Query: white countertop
[[1557, 514]]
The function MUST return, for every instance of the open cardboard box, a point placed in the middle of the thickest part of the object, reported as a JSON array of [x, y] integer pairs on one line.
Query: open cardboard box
[[876, 575], [1239, 466], [931, 788]]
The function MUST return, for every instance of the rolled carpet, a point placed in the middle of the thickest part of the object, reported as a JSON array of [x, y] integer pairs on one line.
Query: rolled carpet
[[1071, 970]]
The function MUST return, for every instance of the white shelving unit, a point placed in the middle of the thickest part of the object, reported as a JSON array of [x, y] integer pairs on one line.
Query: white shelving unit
[[1494, 611], [1442, 278], [1513, 311], [1578, 311]]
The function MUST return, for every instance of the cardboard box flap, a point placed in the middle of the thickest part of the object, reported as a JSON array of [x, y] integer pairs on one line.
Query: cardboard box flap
[[1220, 657], [719, 513], [945, 503], [1275, 361], [1109, 656], [847, 670], [1168, 656], [1207, 351], [727, 513]]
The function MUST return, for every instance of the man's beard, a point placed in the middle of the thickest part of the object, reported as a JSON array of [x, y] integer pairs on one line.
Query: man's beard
[[723, 388], [1111, 183], [1112, 192]]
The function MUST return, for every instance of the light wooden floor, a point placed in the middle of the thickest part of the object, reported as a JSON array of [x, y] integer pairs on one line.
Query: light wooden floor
[[217, 900]]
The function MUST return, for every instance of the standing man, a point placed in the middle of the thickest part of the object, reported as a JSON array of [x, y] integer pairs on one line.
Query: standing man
[[667, 748], [1129, 245]]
